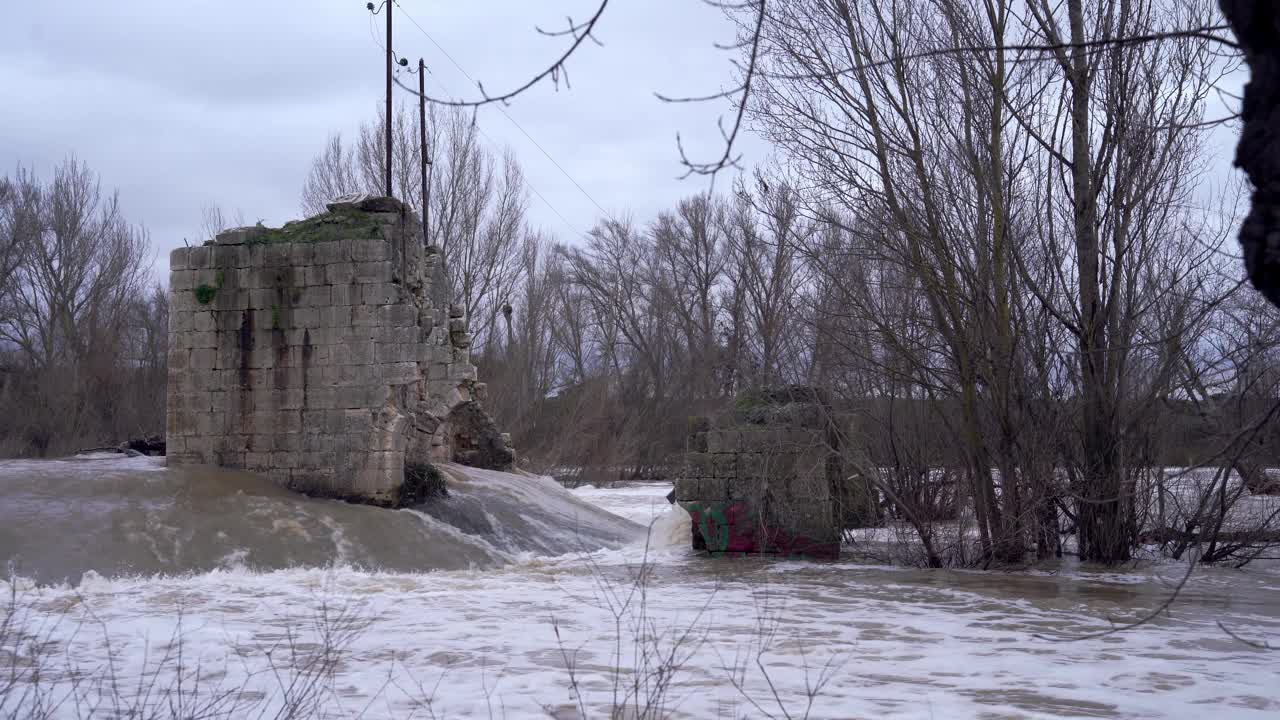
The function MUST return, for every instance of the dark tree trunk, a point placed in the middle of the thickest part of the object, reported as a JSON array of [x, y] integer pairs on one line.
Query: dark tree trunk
[[1257, 28]]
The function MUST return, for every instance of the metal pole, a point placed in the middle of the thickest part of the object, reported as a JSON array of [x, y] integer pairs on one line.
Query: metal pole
[[387, 177], [426, 157]]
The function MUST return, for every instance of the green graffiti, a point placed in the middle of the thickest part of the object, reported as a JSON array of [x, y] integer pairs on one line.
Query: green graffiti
[[713, 524]]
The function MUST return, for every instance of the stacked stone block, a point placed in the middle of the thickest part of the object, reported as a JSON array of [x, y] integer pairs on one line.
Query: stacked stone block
[[324, 362], [778, 461]]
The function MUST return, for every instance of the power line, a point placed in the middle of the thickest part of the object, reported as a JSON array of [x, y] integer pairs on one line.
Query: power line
[[568, 224], [490, 140], [519, 127], [528, 182]]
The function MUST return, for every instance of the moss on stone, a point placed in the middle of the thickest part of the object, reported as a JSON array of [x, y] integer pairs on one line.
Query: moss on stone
[[205, 294], [337, 225]]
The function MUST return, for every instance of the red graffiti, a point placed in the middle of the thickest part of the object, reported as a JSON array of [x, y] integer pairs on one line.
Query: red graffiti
[[734, 527]]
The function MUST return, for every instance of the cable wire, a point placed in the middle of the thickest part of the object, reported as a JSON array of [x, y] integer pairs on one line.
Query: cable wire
[[519, 127], [492, 143]]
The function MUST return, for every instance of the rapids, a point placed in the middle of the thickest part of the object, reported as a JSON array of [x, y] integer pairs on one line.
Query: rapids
[[117, 515], [552, 595]]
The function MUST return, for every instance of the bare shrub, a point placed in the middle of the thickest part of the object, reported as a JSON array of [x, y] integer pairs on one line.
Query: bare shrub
[[43, 675]]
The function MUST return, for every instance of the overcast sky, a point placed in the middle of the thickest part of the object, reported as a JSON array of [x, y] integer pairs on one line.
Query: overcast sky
[[182, 103]]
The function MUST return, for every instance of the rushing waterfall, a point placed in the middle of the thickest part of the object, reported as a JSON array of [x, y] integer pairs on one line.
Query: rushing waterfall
[[133, 516]]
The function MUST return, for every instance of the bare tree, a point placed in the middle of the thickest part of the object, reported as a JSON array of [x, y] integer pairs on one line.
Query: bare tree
[[690, 248], [767, 276], [69, 307], [928, 141], [84, 261], [213, 220], [14, 219], [478, 200]]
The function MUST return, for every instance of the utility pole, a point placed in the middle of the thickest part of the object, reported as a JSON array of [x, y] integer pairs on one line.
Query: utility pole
[[390, 63], [426, 155]]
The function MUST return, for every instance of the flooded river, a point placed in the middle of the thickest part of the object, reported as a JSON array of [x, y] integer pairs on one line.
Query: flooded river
[[518, 599]]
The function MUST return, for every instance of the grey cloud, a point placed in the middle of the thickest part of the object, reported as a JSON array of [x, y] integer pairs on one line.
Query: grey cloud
[[180, 104]]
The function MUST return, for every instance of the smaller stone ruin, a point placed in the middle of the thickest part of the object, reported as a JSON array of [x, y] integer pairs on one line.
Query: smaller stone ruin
[[769, 478]]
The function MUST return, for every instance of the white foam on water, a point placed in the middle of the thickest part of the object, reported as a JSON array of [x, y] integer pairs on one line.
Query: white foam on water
[[671, 529], [108, 461], [899, 649], [341, 546], [446, 529], [235, 560], [638, 502]]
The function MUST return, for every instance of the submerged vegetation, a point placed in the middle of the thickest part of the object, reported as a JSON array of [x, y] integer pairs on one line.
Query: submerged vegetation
[[422, 482]]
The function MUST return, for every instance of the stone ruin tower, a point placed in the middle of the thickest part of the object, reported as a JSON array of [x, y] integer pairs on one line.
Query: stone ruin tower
[[325, 355]]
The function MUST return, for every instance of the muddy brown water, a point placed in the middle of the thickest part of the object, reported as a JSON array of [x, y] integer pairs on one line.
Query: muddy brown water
[[484, 604], [133, 516]]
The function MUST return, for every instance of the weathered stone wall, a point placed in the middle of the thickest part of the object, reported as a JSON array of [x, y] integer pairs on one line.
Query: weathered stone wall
[[767, 478], [323, 354]]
